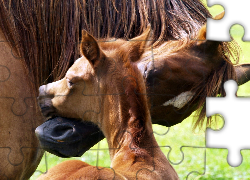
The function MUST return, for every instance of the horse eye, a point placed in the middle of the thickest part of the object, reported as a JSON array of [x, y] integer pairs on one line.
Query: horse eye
[[70, 83]]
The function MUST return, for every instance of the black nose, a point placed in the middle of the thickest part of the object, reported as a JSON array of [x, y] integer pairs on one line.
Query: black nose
[[68, 137]]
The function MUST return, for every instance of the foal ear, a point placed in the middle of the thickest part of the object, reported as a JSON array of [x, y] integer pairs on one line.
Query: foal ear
[[139, 44], [90, 48]]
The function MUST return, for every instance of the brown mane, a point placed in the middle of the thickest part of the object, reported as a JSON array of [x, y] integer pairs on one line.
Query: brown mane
[[46, 33]]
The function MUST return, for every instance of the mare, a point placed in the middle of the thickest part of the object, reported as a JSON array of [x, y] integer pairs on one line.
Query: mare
[[188, 71], [40, 41], [106, 72]]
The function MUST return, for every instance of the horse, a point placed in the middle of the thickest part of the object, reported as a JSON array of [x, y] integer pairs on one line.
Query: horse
[[41, 40], [174, 92], [106, 74], [19, 151]]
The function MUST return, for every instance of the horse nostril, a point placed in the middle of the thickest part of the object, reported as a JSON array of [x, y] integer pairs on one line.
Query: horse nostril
[[64, 132]]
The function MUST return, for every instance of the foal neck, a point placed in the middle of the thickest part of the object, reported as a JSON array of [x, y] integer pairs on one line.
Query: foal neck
[[127, 127]]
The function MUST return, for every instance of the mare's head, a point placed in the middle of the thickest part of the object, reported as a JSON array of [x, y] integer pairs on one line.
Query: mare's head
[[182, 74], [101, 86]]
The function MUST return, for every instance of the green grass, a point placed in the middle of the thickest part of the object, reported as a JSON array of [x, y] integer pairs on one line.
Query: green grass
[[198, 162]]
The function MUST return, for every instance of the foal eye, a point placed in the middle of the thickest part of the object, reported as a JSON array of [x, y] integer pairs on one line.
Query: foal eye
[[70, 83]]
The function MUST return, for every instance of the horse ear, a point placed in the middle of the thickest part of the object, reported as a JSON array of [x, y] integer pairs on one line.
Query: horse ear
[[90, 48], [139, 44]]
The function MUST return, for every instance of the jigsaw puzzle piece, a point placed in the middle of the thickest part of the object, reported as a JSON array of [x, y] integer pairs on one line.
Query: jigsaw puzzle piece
[[19, 116], [235, 112], [18, 146], [192, 164], [4, 151], [184, 148], [6, 42], [186, 138], [5, 74], [9, 76], [217, 166], [242, 69], [97, 156], [18, 119], [16, 160], [236, 12]]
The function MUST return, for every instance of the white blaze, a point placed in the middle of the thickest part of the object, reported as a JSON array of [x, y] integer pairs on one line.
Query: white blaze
[[180, 100]]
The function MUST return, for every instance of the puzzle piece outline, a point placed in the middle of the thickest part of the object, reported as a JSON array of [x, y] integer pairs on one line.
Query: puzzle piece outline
[[214, 138]]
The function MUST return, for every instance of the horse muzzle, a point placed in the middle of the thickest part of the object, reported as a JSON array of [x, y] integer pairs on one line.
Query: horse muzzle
[[66, 137]]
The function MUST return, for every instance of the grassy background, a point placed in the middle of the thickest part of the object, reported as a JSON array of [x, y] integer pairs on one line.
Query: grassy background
[[185, 149]]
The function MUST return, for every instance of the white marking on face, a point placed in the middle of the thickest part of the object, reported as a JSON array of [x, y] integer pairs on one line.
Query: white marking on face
[[181, 100]]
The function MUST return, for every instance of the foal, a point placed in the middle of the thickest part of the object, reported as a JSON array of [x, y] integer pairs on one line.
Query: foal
[[104, 80]]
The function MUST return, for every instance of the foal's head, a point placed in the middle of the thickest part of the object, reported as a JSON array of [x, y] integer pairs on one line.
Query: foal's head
[[104, 70]]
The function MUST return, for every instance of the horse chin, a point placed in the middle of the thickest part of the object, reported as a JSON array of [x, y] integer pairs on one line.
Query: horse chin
[[66, 137]]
